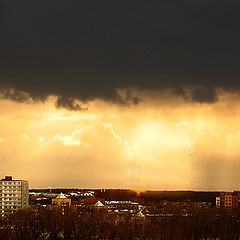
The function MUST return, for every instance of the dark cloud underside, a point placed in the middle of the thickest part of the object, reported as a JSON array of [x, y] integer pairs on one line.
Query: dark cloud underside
[[90, 49]]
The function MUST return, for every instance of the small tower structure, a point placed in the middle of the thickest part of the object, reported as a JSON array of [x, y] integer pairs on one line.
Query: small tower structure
[[61, 201]]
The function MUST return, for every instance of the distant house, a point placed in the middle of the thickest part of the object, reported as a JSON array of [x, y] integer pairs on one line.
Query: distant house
[[99, 207], [123, 205], [61, 201]]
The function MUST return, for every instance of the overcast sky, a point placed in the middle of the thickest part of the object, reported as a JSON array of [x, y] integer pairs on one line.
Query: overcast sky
[[148, 90]]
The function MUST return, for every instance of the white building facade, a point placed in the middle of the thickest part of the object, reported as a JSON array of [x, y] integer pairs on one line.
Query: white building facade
[[14, 195]]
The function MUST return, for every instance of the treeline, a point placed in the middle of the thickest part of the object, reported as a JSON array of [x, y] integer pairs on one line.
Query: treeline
[[196, 224], [156, 196]]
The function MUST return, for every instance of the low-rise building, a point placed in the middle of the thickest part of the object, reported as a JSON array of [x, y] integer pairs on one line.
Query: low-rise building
[[62, 202], [228, 200], [122, 205]]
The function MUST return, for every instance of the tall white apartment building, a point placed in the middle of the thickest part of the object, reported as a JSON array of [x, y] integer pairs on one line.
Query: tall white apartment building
[[13, 195]]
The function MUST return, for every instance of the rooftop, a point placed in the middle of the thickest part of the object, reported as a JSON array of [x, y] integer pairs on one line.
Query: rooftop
[[61, 195]]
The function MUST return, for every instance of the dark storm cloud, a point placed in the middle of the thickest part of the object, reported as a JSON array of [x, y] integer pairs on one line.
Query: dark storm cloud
[[90, 49], [69, 103], [2, 13], [14, 94], [202, 94]]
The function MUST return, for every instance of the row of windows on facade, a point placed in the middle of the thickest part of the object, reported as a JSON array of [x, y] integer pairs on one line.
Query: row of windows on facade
[[9, 194], [10, 199], [13, 187], [10, 183], [11, 203], [9, 207], [10, 187], [8, 211]]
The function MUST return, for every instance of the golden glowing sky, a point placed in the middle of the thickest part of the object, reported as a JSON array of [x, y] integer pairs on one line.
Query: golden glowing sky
[[163, 142]]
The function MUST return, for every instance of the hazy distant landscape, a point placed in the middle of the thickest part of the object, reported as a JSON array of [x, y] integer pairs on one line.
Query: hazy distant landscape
[[143, 196]]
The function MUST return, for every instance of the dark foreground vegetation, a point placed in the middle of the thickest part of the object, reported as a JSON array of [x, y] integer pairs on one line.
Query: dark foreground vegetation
[[196, 224]]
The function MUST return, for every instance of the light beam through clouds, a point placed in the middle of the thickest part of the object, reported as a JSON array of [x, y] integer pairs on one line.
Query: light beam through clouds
[[155, 145]]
